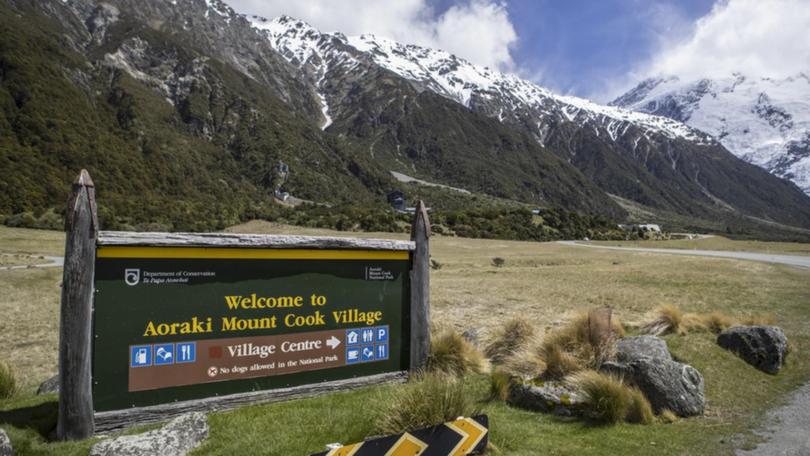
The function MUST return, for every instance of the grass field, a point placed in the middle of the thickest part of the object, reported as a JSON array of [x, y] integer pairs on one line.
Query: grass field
[[718, 243], [543, 283]]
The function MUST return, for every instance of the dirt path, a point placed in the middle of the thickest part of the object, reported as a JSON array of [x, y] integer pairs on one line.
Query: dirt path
[[790, 260], [52, 262], [788, 428]]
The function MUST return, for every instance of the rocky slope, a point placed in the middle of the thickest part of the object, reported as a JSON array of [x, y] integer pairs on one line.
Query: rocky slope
[[188, 106], [764, 121]]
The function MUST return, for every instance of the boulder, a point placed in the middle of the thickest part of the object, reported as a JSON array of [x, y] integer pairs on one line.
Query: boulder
[[668, 385], [49, 386], [546, 397], [177, 438], [764, 347], [5, 444], [632, 348]]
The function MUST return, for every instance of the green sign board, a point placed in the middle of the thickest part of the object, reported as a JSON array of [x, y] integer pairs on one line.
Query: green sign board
[[181, 323]]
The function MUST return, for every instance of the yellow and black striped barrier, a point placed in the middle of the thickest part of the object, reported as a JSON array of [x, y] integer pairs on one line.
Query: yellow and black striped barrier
[[456, 438]]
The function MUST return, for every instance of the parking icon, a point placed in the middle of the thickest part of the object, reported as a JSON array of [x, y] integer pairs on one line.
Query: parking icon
[[352, 355], [140, 355], [382, 333], [164, 354]]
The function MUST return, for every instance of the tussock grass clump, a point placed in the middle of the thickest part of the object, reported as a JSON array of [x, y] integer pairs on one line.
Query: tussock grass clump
[[718, 322], [667, 416], [668, 319], [559, 362], [427, 400], [452, 354], [499, 383], [568, 349], [508, 340], [640, 410], [526, 363], [8, 381], [609, 401], [757, 320]]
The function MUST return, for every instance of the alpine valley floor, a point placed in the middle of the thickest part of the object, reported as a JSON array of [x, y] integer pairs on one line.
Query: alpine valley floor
[[543, 283]]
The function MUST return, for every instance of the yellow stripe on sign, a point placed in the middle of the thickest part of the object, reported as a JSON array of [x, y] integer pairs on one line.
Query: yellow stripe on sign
[[347, 450], [248, 253], [407, 445], [471, 431]]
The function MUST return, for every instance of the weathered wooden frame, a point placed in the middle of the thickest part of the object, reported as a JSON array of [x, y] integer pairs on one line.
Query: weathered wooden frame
[[77, 419]]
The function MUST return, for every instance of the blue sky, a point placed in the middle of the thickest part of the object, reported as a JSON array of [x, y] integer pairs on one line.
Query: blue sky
[[587, 47]]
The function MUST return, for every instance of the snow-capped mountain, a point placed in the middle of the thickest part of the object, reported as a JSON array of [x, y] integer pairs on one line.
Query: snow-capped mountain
[[764, 121], [637, 158], [505, 96]]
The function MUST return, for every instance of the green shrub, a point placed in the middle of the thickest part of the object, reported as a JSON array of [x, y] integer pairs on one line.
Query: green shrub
[[427, 400]]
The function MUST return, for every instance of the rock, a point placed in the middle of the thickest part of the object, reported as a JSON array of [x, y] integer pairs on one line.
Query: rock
[[5, 444], [546, 397], [178, 437], [668, 385], [632, 348], [471, 336], [619, 370], [49, 386], [763, 347]]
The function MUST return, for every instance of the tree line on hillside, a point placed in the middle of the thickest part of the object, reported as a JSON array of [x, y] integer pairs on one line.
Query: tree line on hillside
[[508, 223]]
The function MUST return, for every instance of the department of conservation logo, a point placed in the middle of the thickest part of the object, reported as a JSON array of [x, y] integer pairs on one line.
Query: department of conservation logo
[[132, 276]]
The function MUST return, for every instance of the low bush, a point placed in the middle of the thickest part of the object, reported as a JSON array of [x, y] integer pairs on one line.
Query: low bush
[[508, 340], [8, 381], [498, 262], [452, 354], [427, 400]]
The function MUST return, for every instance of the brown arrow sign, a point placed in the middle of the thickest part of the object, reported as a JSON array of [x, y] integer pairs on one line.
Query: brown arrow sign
[[216, 360]]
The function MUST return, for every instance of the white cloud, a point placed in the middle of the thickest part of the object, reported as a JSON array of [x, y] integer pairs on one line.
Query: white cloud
[[478, 30], [764, 38]]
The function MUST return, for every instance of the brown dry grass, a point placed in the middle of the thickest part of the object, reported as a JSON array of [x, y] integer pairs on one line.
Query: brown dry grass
[[508, 340], [609, 400], [452, 354]]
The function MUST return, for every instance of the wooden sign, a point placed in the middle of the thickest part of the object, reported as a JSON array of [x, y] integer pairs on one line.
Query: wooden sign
[[158, 324]]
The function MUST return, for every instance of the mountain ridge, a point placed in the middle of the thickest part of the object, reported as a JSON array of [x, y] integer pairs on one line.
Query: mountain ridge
[[653, 160]]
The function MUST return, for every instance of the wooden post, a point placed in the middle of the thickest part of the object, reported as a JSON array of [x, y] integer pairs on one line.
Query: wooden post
[[420, 289], [75, 421]]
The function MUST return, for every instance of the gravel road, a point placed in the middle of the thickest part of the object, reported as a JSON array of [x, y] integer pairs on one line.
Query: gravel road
[[791, 260]]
